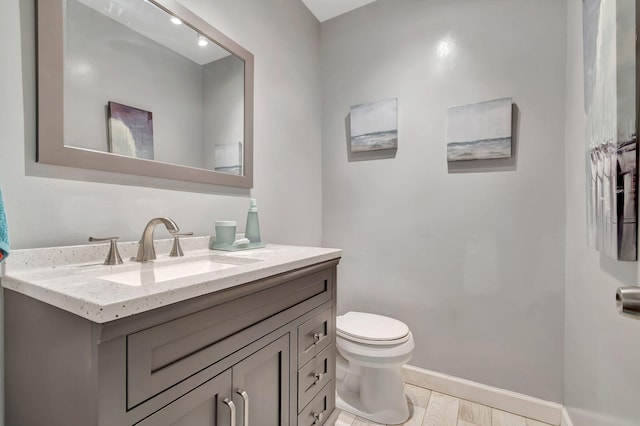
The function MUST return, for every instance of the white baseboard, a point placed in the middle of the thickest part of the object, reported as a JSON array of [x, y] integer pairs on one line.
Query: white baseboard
[[513, 402], [566, 420]]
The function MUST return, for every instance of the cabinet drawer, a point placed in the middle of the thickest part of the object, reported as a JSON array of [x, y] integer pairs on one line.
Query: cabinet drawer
[[315, 335], [315, 375], [162, 356], [320, 408]]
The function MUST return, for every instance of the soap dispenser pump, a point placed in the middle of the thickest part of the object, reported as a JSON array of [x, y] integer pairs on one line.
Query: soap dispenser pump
[[252, 230]]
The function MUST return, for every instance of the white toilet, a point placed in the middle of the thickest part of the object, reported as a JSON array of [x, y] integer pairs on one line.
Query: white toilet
[[371, 351]]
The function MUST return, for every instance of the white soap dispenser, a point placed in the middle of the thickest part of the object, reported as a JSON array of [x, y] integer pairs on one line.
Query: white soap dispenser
[[252, 230]]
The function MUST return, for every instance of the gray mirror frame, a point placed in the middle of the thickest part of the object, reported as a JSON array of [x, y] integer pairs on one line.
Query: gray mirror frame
[[50, 92]]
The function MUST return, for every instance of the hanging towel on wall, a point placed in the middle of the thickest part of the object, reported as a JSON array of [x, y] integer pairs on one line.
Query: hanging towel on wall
[[4, 231]]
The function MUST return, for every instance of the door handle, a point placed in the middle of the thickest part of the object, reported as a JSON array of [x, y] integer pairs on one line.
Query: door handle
[[628, 301], [232, 408], [245, 405]]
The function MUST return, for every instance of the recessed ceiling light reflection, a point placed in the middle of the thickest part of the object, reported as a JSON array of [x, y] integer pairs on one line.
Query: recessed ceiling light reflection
[[202, 41], [176, 21]]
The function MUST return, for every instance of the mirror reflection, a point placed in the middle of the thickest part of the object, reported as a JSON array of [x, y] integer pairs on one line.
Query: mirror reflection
[[139, 82]]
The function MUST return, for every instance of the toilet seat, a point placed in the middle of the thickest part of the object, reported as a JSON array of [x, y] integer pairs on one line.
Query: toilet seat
[[372, 329]]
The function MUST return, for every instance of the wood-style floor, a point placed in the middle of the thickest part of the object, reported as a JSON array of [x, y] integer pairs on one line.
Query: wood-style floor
[[435, 409]]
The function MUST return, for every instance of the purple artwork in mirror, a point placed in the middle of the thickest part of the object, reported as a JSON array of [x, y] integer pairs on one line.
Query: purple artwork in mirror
[[130, 131]]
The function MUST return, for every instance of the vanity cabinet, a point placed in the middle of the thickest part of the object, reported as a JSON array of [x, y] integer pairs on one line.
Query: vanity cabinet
[[260, 354], [264, 375]]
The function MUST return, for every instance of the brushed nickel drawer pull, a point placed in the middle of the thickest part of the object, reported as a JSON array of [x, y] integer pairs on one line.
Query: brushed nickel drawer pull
[[317, 378], [317, 417], [245, 404], [232, 407], [318, 337]]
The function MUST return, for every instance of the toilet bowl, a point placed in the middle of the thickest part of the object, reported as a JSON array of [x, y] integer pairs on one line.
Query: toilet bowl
[[371, 351]]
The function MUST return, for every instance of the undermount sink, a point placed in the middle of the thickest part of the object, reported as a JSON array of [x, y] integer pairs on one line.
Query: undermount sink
[[151, 273]]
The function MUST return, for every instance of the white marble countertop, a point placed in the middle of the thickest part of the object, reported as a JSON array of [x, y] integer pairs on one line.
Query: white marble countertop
[[73, 278]]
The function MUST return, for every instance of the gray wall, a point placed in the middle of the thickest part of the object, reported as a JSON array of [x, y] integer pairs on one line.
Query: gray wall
[[602, 368], [471, 257], [109, 62], [49, 206]]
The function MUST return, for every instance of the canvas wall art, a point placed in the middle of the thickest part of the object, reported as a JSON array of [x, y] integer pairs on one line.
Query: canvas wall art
[[228, 158], [374, 126], [479, 131], [611, 126], [130, 131]]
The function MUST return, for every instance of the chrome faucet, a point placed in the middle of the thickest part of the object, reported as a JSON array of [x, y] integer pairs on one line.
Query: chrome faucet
[[146, 251]]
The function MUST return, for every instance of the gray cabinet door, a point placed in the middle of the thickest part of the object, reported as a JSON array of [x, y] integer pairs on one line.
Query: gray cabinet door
[[261, 386], [203, 406]]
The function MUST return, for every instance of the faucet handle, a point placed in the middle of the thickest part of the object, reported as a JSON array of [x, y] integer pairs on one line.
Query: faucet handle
[[113, 258], [176, 250]]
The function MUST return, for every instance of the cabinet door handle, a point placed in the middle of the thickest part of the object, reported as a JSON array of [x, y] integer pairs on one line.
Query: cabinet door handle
[[318, 337], [317, 377], [232, 408], [317, 417], [245, 405]]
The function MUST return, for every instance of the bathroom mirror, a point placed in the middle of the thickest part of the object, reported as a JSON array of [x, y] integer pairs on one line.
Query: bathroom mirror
[[143, 87]]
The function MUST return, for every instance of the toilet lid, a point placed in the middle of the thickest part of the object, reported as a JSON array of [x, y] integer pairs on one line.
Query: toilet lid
[[365, 326]]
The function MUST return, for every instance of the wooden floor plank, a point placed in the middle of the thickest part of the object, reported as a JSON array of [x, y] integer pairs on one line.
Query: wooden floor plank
[[417, 395], [441, 411], [502, 418], [474, 413]]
